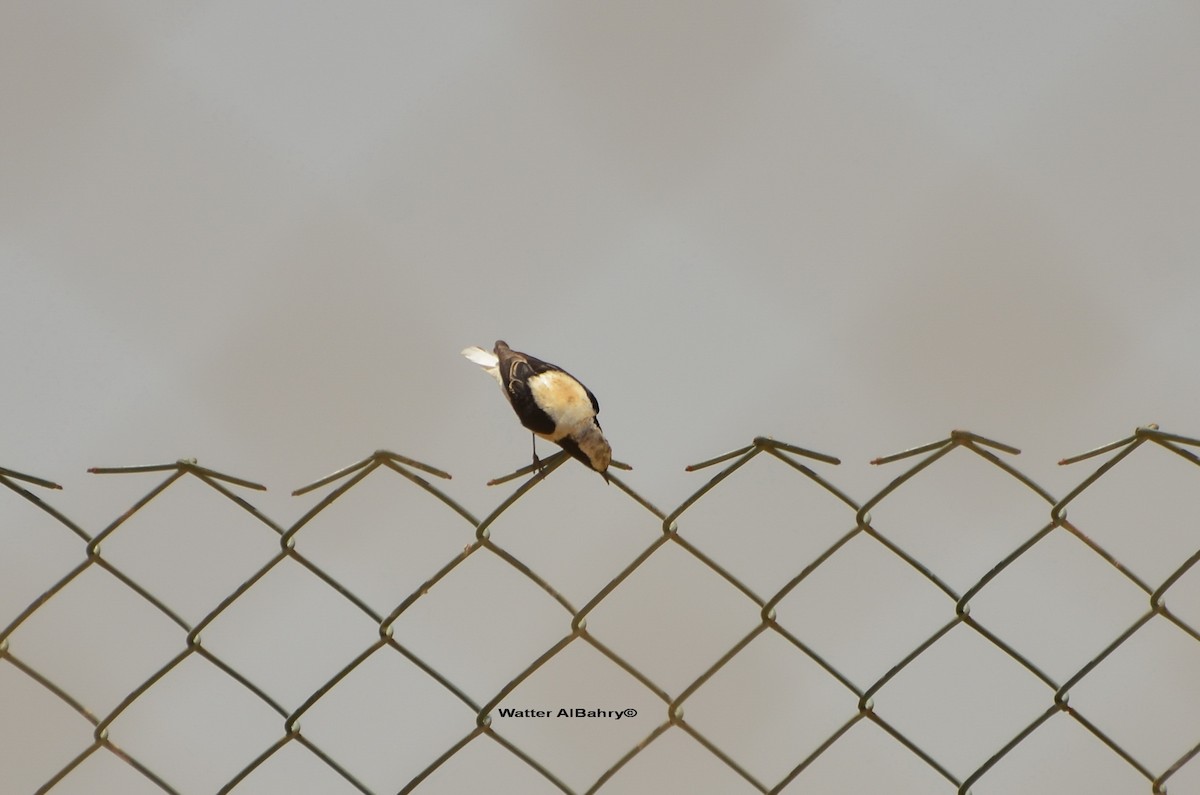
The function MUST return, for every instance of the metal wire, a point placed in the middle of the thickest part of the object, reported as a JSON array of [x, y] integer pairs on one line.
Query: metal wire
[[1057, 693]]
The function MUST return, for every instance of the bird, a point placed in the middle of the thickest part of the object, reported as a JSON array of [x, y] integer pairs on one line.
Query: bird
[[548, 401]]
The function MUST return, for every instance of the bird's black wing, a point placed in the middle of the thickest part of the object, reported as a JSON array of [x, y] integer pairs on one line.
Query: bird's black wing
[[515, 371]]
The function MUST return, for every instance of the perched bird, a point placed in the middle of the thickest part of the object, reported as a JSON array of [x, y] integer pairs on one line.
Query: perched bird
[[550, 402]]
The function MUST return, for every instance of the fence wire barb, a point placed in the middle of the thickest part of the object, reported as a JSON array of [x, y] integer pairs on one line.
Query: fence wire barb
[[547, 465], [1057, 690], [379, 457], [36, 481]]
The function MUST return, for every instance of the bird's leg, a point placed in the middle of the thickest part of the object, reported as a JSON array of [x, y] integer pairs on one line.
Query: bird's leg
[[536, 461]]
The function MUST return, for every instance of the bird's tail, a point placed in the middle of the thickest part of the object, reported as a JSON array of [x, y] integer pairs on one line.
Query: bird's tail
[[480, 356], [485, 359]]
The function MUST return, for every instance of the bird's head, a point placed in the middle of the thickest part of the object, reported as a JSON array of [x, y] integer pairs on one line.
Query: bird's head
[[595, 449]]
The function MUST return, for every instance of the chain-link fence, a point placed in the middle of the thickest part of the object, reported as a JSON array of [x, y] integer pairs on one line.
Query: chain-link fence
[[848, 642]]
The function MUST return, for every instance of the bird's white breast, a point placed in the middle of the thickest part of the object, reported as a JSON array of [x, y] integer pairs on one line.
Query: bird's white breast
[[564, 400]]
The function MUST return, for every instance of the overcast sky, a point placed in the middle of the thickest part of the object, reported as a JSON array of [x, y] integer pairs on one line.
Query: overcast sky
[[259, 234]]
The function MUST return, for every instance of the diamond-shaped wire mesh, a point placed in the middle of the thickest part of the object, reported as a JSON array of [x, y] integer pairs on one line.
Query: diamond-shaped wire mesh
[[837, 639]]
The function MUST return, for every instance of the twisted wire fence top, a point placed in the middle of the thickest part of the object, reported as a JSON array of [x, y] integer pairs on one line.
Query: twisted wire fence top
[[792, 636]]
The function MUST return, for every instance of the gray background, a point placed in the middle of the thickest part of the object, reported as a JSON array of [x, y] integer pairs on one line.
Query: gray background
[[258, 233]]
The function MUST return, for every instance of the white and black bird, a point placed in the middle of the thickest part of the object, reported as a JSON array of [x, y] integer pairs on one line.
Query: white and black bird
[[550, 402]]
